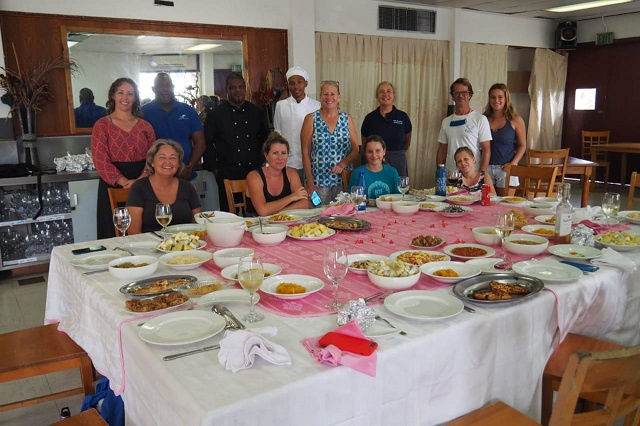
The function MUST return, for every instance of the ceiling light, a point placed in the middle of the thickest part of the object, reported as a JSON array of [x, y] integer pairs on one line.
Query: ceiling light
[[201, 47], [587, 5]]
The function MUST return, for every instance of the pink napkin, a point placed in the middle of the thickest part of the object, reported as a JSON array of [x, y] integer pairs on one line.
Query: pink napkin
[[341, 210], [332, 356], [601, 229]]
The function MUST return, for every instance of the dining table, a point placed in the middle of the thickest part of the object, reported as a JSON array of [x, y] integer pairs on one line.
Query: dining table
[[584, 168], [440, 368], [622, 148]]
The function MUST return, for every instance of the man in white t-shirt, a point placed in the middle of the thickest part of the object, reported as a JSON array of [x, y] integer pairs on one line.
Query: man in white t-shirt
[[290, 114], [464, 128]]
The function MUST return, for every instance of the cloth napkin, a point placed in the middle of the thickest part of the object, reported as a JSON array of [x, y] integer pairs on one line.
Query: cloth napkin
[[610, 257], [332, 356], [341, 210], [239, 348], [601, 229]]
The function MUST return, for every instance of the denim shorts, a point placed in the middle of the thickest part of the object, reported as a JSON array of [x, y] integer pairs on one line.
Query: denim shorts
[[498, 175]]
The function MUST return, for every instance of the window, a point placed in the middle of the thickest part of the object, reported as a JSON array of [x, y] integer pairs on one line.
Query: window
[[181, 80], [585, 99]]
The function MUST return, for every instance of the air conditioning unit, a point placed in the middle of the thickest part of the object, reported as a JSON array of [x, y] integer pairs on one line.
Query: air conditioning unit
[[157, 63]]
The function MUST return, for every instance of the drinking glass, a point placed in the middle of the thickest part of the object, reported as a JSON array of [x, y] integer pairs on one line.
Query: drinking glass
[[611, 206], [357, 195], [403, 185], [504, 228], [335, 268], [453, 176], [250, 276], [163, 216], [122, 220]]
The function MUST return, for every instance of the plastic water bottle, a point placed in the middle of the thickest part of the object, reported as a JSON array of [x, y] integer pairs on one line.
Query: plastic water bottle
[[361, 182], [441, 180]]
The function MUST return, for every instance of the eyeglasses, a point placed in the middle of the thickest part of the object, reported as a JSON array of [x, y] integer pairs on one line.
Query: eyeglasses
[[464, 94]]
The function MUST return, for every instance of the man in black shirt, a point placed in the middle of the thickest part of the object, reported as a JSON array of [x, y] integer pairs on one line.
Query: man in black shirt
[[235, 132]]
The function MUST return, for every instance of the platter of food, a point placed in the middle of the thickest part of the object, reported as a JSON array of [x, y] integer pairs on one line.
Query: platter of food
[[547, 231], [453, 210], [423, 304], [157, 303], [185, 261], [497, 288], [620, 241], [181, 242], [231, 272], [429, 206], [468, 251], [575, 251], [632, 216], [283, 218], [204, 287], [450, 272], [359, 263], [310, 232], [419, 257], [547, 270], [97, 261], [463, 200], [343, 223], [426, 241], [181, 328], [155, 286], [291, 286]]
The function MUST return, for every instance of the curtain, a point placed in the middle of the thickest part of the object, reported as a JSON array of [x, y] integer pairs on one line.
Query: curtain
[[418, 69], [484, 65], [546, 89]]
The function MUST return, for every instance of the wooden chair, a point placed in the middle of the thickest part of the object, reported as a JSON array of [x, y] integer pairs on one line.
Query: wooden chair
[[84, 418], [550, 158], [118, 198], [236, 187], [590, 138], [346, 175], [42, 350], [635, 182], [533, 180]]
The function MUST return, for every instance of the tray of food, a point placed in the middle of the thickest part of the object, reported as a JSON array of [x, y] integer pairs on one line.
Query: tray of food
[[344, 223], [157, 303], [497, 288], [155, 286]]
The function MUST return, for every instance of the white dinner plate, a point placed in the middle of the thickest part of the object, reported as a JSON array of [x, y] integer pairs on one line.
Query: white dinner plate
[[434, 197], [442, 211], [442, 241], [486, 264], [574, 251], [449, 250], [432, 205], [431, 256], [530, 229], [203, 256], [293, 219], [463, 200], [625, 214], [620, 247], [312, 285], [322, 237], [181, 328], [97, 261], [360, 257], [548, 271], [231, 272], [201, 244], [143, 245], [227, 296], [517, 201], [544, 217], [423, 304], [186, 228], [305, 212]]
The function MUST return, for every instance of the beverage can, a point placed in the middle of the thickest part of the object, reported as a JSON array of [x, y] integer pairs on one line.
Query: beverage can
[[486, 195]]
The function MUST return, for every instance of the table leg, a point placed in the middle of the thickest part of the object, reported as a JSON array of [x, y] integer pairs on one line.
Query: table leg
[[585, 187]]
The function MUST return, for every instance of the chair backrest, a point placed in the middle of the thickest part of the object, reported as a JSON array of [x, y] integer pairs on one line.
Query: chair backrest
[[635, 182], [346, 175], [232, 187], [550, 158], [612, 375], [594, 138], [533, 180], [117, 198]]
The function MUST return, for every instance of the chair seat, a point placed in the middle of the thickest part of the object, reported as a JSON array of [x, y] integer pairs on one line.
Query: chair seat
[[495, 414]]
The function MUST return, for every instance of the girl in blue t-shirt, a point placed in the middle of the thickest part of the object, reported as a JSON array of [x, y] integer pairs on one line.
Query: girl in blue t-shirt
[[380, 178]]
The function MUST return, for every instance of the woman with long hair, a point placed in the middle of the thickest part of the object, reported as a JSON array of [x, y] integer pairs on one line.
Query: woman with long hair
[[380, 178]]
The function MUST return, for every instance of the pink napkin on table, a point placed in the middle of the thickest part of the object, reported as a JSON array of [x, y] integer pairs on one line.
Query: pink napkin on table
[[341, 210], [332, 356], [601, 229]]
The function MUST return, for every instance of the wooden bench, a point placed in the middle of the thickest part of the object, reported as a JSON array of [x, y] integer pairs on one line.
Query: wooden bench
[[42, 350], [84, 418]]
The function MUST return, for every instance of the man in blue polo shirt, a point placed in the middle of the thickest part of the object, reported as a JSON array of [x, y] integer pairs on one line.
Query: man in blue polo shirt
[[176, 121]]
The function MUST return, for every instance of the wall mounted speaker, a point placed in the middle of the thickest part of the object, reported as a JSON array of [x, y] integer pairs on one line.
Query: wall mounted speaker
[[567, 35]]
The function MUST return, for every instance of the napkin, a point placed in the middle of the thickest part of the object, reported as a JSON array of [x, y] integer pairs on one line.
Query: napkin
[[601, 229], [341, 210], [332, 356], [239, 348], [610, 257]]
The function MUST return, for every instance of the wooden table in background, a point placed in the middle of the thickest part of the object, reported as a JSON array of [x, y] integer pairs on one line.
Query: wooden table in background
[[584, 168], [622, 148]]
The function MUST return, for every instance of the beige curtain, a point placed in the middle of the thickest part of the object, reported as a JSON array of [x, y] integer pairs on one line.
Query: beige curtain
[[546, 89], [417, 68], [484, 65]]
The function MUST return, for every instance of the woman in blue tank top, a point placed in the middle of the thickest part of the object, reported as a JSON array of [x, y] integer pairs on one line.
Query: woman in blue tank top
[[509, 143]]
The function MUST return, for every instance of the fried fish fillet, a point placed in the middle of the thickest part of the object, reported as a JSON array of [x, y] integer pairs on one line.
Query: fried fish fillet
[[489, 295], [498, 287]]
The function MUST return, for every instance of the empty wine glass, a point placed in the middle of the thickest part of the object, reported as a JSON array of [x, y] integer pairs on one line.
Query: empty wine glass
[[250, 276], [357, 196], [504, 228], [122, 220], [611, 206], [163, 216], [403, 185], [335, 268]]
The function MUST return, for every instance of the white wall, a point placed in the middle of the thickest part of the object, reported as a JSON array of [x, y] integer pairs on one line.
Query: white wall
[[623, 26]]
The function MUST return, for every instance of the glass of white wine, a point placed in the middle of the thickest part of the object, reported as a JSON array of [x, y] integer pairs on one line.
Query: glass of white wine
[[250, 276], [504, 228], [121, 220], [163, 216], [357, 195], [403, 185], [611, 206], [335, 268]]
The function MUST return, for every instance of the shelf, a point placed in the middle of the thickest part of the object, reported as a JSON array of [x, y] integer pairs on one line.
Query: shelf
[[48, 218], [28, 261]]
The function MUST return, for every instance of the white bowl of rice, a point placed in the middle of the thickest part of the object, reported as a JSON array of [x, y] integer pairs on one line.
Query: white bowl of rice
[[184, 261]]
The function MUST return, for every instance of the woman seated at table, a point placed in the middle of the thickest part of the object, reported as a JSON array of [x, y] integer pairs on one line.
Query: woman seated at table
[[380, 178], [275, 178], [471, 179], [164, 164]]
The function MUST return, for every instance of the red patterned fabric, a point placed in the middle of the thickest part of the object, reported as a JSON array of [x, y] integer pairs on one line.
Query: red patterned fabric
[[109, 144]]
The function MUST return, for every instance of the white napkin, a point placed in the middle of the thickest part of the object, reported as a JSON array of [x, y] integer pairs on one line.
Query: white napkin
[[239, 348], [610, 257]]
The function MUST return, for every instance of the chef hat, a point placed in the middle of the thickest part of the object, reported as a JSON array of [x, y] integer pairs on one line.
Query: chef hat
[[297, 71]]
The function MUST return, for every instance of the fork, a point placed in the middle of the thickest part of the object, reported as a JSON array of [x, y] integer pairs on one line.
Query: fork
[[378, 317]]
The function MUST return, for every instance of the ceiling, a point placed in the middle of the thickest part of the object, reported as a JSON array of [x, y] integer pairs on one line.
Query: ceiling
[[533, 9]]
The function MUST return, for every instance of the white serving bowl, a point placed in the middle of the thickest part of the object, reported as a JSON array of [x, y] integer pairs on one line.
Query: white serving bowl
[[481, 236], [132, 274], [463, 270], [226, 231], [270, 235], [200, 217], [405, 208], [226, 257], [386, 205], [394, 283], [203, 256], [547, 200], [526, 249], [537, 209]]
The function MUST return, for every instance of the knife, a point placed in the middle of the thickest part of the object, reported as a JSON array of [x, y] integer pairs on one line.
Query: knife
[[581, 266], [196, 351], [234, 320]]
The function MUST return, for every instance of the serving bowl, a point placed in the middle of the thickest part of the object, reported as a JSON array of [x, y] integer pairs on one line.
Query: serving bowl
[[463, 270], [547, 200], [270, 235], [538, 244], [486, 235], [384, 204], [405, 208], [202, 216], [394, 283], [133, 273], [226, 257], [226, 231], [537, 209], [198, 257]]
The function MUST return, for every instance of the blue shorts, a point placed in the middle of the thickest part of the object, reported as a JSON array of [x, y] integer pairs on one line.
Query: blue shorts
[[498, 175]]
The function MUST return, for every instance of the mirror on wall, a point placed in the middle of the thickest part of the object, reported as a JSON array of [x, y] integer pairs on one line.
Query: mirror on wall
[[191, 62]]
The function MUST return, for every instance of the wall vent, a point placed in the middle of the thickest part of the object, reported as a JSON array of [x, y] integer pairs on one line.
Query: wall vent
[[405, 19]]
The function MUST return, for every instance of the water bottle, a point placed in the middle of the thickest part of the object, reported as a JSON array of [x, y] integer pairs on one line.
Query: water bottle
[[361, 182], [441, 180]]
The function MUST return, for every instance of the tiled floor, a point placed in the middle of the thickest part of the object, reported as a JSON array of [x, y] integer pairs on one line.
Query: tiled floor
[[23, 307]]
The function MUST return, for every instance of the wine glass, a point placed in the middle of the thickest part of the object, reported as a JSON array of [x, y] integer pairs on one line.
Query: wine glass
[[453, 176], [403, 185], [335, 268], [610, 206], [250, 276], [504, 228], [122, 220], [357, 195], [163, 216]]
